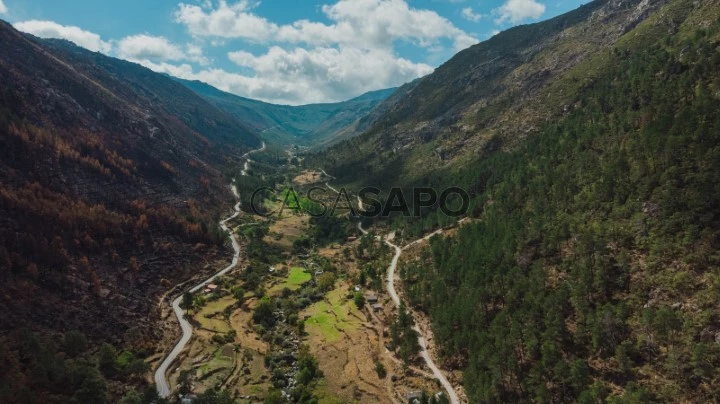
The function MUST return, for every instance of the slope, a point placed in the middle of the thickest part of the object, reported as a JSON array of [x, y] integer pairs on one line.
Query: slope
[[110, 182], [592, 275], [486, 97], [285, 124]]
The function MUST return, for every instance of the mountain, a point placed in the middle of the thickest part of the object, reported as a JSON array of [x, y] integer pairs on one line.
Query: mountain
[[302, 125], [111, 182], [590, 145], [489, 95]]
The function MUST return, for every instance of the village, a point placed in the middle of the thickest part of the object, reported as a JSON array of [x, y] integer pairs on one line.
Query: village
[[289, 300]]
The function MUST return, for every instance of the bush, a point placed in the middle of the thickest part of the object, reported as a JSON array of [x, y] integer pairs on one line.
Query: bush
[[359, 300], [380, 369]]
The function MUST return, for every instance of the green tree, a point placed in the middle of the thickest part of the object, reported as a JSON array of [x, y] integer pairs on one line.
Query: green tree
[[263, 313], [93, 389], [74, 343], [107, 359], [380, 369], [359, 300], [132, 397], [187, 301], [214, 396]]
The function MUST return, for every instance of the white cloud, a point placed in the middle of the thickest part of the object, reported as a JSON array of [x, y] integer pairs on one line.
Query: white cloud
[[148, 47], [227, 21], [470, 15], [353, 52], [183, 71], [3, 8], [194, 53], [301, 76], [320, 74], [375, 23], [357, 23], [50, 29], [144, 48], [515, 11]]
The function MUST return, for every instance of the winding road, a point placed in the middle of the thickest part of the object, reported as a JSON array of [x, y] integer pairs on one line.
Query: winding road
[[424, 353], [161, 382], [246, 166]]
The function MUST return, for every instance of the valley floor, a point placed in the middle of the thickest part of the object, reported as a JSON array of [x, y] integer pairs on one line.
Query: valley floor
[[234, 350]]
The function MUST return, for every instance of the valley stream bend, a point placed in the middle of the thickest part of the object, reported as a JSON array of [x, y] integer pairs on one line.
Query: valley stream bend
[[161, 382]]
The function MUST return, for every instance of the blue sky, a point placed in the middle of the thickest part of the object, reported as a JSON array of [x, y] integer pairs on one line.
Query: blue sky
[[281, 51]]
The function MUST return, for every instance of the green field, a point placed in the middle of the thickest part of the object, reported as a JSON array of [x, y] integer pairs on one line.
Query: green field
[[330, 316], [296, 278], [217, 323], [217, 368]]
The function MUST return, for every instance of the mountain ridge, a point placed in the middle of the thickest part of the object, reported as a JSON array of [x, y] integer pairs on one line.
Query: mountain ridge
[[302, 124], [489, 91]]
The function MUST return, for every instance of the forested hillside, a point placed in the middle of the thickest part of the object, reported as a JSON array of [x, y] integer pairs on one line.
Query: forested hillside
[[593, 270], [495, 92], [111, 182]]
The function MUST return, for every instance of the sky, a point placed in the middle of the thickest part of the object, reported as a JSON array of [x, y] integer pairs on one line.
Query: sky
[[281, 51]]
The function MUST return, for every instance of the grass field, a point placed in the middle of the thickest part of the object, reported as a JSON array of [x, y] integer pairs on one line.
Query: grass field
[[217, 323], [331, 316], [218, 367], [296, 278]]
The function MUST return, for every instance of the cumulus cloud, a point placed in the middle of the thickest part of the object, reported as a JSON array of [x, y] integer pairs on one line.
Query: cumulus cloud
[[50, 29], [183, 71], [301, 76], [310, 61], [194, 53], [3, 9], [148, 47], [352, 51], [375, 23], [319, 74], [470, 15], [515, 11], [145, 47], [357, 23], [227, 21]]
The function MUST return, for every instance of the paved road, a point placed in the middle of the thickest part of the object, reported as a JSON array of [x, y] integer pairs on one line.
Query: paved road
[[246, 166], [161, 382]]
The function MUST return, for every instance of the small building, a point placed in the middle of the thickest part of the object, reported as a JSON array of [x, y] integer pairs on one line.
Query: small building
[[351, 239], [213, 287], [414, 397], [371, 298], [357, 288], [377, 307]]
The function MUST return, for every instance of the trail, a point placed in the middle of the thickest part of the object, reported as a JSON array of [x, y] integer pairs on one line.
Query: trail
[[424, 353], [161, 382]]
